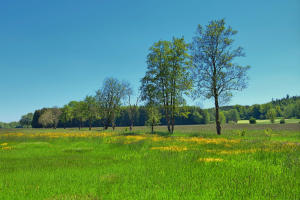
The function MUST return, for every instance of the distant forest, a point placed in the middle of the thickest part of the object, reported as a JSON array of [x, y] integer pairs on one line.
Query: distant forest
[[288, 107]]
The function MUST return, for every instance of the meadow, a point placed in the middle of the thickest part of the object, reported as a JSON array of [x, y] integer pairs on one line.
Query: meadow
[[259, 161], [267, 121]]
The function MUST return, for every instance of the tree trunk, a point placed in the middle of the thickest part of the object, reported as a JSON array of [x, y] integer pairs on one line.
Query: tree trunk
[[113, 125], [131, 125], [218, 124], [90, 128], [79, 125], [152, 129], [173, 122]]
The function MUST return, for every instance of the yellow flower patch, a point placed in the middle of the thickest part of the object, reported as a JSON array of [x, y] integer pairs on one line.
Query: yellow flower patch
[[210, 160], [60, 134], [207, 140], [238, 151], [4, 144], [6, 148], [170, 148]]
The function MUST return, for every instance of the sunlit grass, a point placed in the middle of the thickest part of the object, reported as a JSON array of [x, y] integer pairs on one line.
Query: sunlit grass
[[102, 164]]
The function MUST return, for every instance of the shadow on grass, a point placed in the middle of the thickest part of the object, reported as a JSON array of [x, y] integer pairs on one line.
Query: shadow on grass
[[128, 133], [162, 133]]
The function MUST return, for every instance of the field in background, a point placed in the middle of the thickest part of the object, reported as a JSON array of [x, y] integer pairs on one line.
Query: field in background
[[247, 162], [267, 121]]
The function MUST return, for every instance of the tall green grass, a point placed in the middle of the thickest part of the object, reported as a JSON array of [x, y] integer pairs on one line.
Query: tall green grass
[[122, 166]]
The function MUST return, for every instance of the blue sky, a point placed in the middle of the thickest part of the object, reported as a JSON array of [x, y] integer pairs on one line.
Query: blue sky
[[52, 52]]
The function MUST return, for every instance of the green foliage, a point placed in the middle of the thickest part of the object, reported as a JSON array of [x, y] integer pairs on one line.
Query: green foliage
[[167, 77], [66, 115], [50, 117], [232, 115], [241, 133], [92, 110], [268, 132], [252, 120], [271, 114], [26, 120], [197, 117], [10, 125], [215, 73], [109, 99], [78, 111], [222, 118], [153, 116], [206, 117]]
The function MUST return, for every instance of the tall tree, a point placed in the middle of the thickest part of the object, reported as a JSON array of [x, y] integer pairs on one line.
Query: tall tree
[[46, 119], [56, 112], [214, 72], [92, 112], [50, 117], [168, 76], [66, 115], [110, 97], [26, 120], [79, 109]]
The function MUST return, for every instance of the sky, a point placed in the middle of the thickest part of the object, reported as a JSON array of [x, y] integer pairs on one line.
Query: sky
[[56, 51]]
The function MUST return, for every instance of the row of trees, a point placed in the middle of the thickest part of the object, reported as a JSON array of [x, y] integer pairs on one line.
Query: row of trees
[[142, 115], [84, 113], [208, 71]]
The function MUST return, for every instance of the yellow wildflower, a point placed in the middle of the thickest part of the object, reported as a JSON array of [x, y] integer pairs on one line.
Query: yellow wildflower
[[7, 148], [170, 148], [210, 159]]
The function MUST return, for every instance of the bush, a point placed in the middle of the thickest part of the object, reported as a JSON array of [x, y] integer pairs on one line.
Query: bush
[[282, 121], [252, 120], [241, 132], [268, 132]]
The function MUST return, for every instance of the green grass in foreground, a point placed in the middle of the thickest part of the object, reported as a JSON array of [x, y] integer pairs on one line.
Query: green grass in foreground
[[72, 164]]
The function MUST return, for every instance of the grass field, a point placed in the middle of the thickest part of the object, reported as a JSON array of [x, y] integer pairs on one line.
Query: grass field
[[246, 162], [267, 121]]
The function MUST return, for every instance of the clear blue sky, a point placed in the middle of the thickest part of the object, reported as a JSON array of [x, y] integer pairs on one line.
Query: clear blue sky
[[52, 52]]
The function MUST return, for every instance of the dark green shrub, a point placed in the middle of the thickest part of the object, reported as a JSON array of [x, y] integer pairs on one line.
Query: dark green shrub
[[252, 120], [282, 121]]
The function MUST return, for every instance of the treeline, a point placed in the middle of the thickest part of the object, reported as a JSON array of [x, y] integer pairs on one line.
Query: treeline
[[189, 115], [288, 107]]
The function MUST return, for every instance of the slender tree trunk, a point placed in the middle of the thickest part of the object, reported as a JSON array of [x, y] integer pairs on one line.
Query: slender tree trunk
[[173, 116], [79, 125], [218, 124], [152, 126], [173, 122], [168, 117], [216, 96], [131, 125], [152, 129], [90, 128]]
